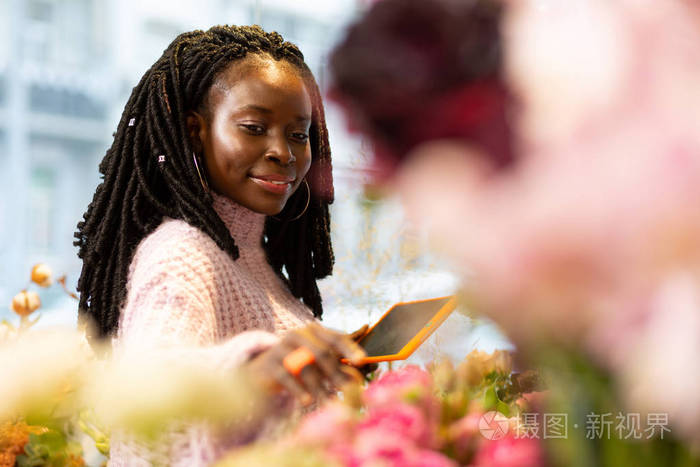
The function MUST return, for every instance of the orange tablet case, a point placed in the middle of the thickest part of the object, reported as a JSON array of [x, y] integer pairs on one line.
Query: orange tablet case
[[298, 359], [450, 303]]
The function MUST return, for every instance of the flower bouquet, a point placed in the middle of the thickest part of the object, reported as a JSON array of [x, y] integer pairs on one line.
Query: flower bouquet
[[440, 416]]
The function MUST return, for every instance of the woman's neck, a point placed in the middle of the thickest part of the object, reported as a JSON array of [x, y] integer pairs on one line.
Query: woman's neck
[[246, 226]]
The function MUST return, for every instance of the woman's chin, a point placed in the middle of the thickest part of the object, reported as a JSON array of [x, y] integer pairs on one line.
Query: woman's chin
[[268, 210], [261, 206]]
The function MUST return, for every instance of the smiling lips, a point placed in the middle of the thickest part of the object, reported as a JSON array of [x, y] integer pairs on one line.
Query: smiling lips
[[278, 184]]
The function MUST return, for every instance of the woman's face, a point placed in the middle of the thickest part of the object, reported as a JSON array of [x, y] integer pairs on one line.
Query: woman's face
[[255, 136]]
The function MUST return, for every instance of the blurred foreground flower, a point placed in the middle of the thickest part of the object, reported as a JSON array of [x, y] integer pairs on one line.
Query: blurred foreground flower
[[409, 384], [142, 395], [52, 379], [41, 373], [264, 454], [586, 250], [14, 436], [333, 424], [577, 244], [659, 368], [510, 452], [413, 417], [404, 419]]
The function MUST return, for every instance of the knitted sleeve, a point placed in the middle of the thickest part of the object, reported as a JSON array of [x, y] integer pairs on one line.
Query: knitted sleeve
[[169, 312], [170, 306], [171, 300]]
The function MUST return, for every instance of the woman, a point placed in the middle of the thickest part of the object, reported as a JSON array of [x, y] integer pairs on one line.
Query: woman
[[211, 225]]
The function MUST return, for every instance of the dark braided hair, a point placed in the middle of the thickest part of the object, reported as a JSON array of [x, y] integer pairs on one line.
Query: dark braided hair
[[138, 191]]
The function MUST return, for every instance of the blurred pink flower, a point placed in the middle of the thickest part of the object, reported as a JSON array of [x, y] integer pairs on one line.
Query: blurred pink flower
[[407, 384], [332, 424], [406, 421], [467, 426], [345, 454], [464, 434], [583, 239], [427, 458], [509, 452], [567, 62], [600, 210], [388, 449], [660, 371]]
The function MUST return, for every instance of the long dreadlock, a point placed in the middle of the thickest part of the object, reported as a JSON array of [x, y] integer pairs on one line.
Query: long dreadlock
[[140, 188]]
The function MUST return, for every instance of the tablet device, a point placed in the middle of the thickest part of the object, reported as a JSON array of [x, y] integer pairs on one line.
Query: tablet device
[[404, 327], [395, 336]]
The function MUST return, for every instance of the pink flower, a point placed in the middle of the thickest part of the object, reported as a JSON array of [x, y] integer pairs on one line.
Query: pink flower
[[382, 448], [407, 384], [345, 454], [405, 376], [464, 434], [406, 421], [509, 452], [330, 425], [466, 427], [392, 450], [427, 458]]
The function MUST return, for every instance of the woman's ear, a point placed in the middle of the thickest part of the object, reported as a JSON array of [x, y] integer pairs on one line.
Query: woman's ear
[[196, 129]]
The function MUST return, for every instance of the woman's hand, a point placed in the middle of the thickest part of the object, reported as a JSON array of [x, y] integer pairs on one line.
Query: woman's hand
[[322, 376], [359, 334], [368, 368]]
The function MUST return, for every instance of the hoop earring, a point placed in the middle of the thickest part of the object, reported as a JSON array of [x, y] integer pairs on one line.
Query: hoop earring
[[308, 200], [204, 183]]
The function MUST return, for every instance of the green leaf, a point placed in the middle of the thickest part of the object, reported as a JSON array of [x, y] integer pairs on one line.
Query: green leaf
[[490, 399], [503, 408]]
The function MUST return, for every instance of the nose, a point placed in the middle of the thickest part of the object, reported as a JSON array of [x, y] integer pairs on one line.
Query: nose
[[280, 152]]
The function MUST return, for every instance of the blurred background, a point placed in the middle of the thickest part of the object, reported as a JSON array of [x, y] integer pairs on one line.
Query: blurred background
[[67, 68]]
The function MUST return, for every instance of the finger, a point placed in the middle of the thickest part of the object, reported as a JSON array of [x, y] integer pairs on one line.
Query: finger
[[343, 345], [342, 377], [352, 373], [293, 385], [269, 371], [313, 382], [297, 360], [359, 334], [325, 359]]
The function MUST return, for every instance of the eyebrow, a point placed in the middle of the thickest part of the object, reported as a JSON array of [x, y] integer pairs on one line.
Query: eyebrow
[[265, 110]]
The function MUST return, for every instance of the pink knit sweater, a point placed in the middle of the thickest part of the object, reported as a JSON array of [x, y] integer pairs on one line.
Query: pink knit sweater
[[184, 292]]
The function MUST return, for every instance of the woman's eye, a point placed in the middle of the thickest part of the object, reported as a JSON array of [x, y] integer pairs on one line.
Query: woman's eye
[[253, 129], [302, 137]]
